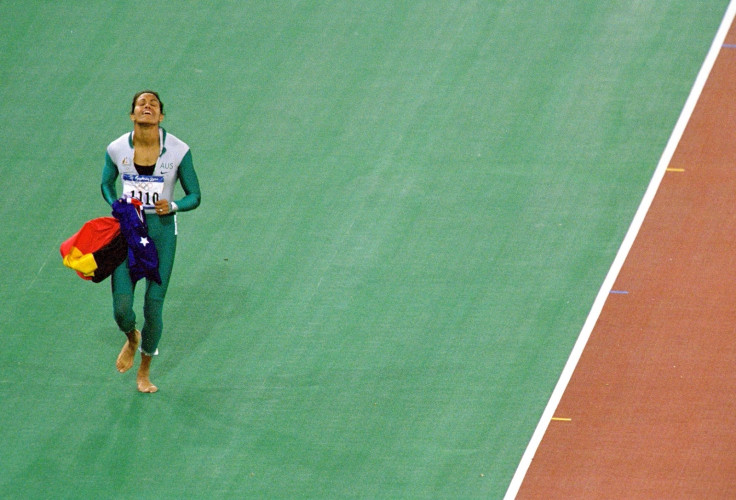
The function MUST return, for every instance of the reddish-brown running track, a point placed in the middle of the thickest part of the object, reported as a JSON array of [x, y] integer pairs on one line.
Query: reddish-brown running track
[[650, 410]]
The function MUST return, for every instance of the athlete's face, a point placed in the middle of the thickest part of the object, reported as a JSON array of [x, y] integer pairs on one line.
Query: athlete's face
[[147, 110]]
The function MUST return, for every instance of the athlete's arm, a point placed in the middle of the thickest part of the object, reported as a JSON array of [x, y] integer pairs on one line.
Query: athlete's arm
[[190, 184], [109, 175]]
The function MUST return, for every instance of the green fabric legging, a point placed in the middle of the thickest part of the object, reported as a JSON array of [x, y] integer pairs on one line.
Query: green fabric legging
[[162, 230]]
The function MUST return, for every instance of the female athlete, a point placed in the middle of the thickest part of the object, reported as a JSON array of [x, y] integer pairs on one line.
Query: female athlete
[[149, 162]]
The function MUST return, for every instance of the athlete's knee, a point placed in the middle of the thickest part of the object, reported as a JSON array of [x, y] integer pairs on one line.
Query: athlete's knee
[[122, 308], [153, 312], [153, 325]]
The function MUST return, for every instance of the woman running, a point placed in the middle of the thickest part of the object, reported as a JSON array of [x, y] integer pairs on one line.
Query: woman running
[[149, 162]]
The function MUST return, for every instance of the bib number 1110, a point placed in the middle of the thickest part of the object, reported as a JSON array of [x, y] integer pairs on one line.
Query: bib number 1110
[[145, 197], [147, 188]]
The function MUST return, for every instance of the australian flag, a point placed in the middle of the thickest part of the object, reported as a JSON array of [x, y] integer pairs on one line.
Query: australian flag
[[142, 254]]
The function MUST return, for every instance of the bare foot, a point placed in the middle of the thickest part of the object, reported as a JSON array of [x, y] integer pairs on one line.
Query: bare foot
[[145, 385], [127, 353], [144, 382]]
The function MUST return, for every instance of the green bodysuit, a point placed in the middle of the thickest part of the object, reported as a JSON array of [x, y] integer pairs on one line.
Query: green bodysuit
[[174, 164]]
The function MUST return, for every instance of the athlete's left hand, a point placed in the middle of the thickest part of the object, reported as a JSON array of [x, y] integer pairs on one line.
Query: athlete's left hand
[[162, 207]]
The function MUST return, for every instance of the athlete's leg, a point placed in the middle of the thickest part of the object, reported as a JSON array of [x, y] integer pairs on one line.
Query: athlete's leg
[[143, 378], [122, 304], [126, 357], [163, 232], [122, 297]]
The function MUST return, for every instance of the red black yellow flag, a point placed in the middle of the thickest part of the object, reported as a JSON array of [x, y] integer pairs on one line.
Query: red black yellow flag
[[96, 249]]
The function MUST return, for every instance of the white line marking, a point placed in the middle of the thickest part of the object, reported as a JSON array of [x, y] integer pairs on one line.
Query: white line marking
[[623, 252]]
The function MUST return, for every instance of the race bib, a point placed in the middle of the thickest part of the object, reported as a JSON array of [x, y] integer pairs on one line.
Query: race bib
[[146, 188]]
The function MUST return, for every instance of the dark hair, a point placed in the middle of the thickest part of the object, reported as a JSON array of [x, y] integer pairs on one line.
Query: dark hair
[[138, 94]]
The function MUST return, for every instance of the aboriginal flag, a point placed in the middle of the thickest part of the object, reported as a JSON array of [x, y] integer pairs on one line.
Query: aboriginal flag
[[96, 249]]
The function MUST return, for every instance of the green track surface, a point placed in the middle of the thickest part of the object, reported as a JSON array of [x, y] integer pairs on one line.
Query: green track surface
[[408, 209]]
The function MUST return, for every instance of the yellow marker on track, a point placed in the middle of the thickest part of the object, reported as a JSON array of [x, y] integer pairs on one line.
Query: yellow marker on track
[[560, 419]]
